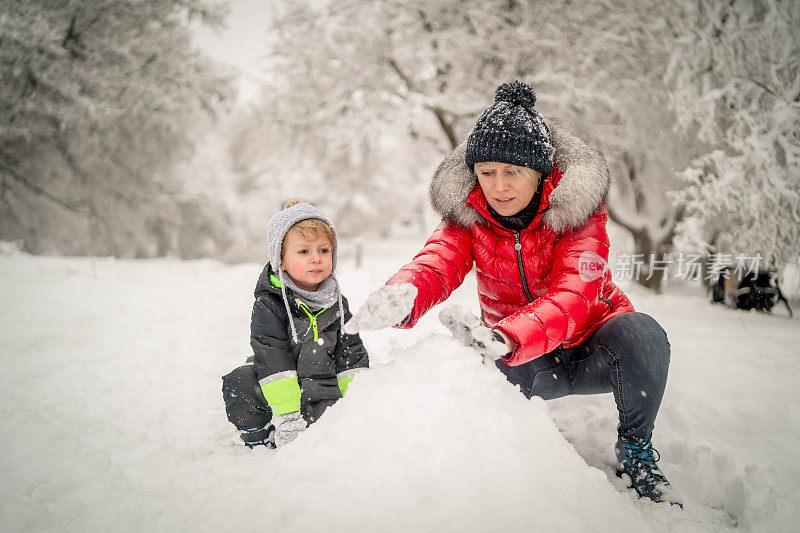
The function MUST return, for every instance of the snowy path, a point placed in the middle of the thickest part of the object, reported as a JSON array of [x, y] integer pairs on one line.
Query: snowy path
[[113, 419]]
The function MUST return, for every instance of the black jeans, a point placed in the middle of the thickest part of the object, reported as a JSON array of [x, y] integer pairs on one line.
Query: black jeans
[[628, 355]]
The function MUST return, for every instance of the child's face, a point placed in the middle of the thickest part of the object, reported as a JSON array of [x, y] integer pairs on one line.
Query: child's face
[[306, 262]]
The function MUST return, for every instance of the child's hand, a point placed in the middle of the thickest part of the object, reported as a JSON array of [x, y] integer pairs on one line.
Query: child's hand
[[287, 427], [386, 307], [469, 331]]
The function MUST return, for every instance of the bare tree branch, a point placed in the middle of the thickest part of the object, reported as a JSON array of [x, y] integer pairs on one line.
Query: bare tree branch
[[39, 191]]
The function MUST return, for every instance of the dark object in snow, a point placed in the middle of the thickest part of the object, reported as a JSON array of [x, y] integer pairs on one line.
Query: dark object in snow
[[760, 291], [637, 459], [264, 436], [719, 288], [511, 131]]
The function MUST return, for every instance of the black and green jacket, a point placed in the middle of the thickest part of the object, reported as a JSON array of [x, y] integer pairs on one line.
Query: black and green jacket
[[314, 372]]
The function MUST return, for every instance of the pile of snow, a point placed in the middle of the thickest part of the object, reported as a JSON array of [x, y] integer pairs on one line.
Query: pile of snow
[[113, 418], [437, 441]]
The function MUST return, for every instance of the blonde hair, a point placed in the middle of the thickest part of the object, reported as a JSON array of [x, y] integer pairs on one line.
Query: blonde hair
[[309, 229], [530, 173]]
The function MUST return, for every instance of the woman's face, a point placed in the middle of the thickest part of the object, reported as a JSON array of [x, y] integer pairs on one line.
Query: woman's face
[[507, 188]]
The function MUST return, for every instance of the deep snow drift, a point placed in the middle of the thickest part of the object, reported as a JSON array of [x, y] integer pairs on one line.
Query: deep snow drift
[[113, 418]]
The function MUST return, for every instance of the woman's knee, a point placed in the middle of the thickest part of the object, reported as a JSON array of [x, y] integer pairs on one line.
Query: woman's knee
[[635, 335]]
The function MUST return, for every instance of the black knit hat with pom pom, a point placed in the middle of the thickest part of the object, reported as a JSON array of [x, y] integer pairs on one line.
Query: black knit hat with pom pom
[[511, 131]]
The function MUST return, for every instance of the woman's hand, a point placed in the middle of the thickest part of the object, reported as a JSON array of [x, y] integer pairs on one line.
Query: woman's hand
[[510, 344], [469, 331], [384, 308]]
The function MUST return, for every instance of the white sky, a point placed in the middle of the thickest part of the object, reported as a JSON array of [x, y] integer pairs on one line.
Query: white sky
[[242, 42]]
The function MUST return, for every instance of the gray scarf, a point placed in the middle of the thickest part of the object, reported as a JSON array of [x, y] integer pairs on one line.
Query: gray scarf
[[325, 296]]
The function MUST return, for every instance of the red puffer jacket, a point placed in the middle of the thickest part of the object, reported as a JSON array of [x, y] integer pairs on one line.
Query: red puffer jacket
[[566, 292]]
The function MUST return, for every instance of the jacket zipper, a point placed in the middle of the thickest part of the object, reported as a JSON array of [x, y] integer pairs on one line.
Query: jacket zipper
[[609, 302], [518, 248], [313, 318], [521, 266]]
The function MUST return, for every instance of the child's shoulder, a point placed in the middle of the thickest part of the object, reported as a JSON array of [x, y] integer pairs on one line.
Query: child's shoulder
[[271, 304], [268, 292], [267, 283]]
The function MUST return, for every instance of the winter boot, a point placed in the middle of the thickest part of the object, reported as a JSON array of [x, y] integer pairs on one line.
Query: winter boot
[[636, 458], [263, 436]]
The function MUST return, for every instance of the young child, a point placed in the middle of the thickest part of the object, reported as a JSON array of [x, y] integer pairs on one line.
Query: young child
[[303, 360]]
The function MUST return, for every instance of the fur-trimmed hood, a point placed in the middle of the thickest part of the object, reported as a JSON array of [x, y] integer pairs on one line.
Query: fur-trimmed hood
[[580, 192]]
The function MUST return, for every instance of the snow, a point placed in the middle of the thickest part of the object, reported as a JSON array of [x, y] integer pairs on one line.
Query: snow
[[113, 418]]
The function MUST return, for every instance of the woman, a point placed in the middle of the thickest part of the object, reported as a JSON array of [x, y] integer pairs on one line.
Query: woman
[[523, 200]]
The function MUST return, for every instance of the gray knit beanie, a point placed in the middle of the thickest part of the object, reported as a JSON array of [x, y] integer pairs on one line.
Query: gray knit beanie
[[282, 221], [511, 131]]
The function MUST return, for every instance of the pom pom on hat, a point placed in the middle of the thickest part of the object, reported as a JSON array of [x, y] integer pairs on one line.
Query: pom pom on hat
[[516, 93], [511, 131]]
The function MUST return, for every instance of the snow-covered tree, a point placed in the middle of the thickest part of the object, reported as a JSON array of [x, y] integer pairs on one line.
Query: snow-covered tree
[[364, 176], [735, 72], [98, 100], [348, 73]]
